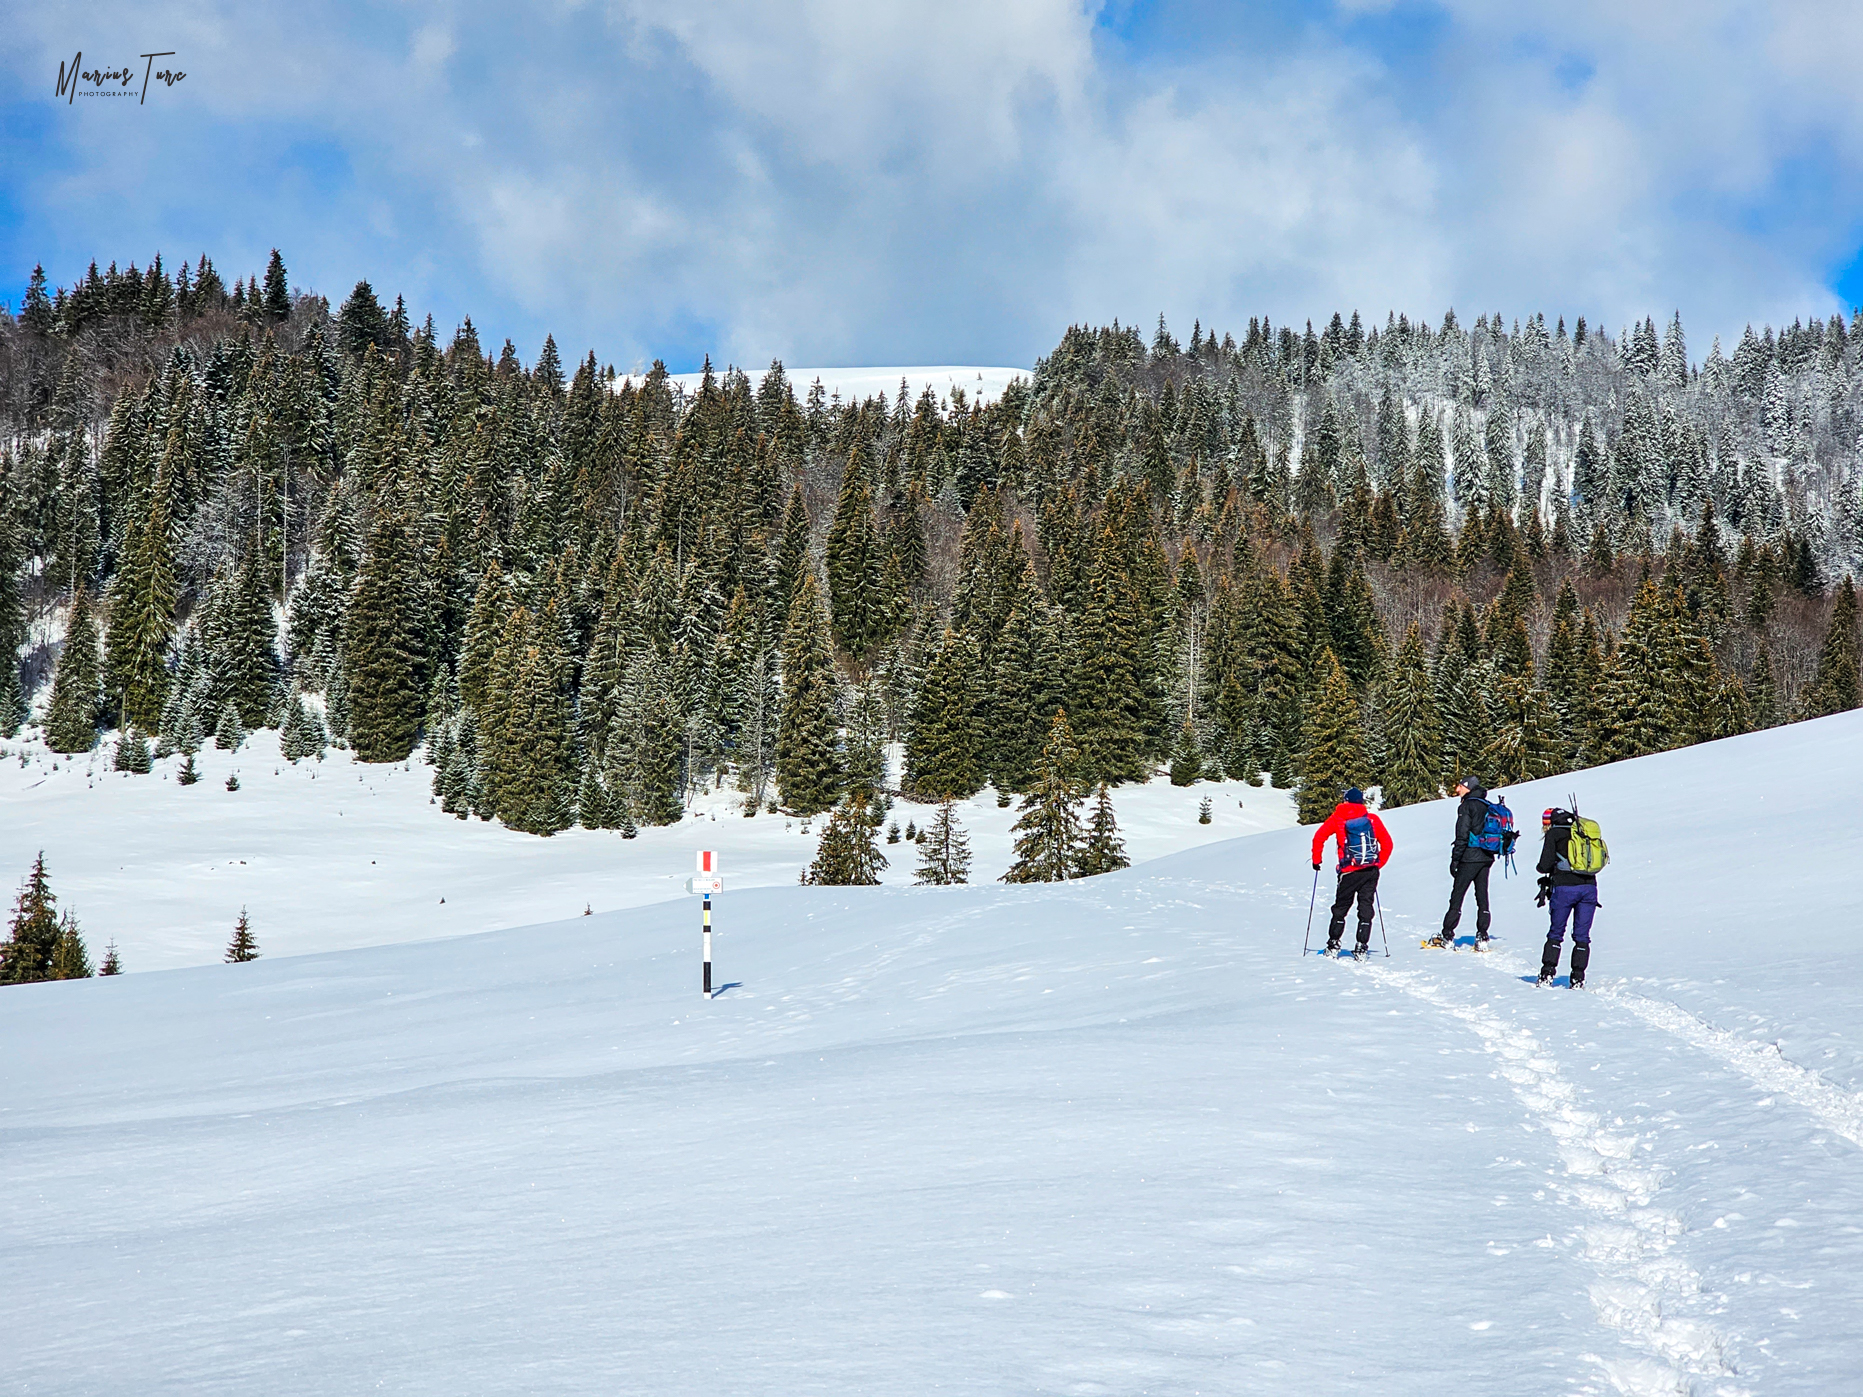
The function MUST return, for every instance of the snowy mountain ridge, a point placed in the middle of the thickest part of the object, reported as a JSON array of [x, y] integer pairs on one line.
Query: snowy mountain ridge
[[1108, 1136]]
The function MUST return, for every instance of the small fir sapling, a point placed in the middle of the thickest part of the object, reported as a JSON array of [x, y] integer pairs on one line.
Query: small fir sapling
[[27, 953], [944, 850], [229, 732], [1187, 760], [133, 754], [70, 959], [188, 774], [244, 946], [112, 962], [849, 854], [1204, 814], [232, 782], [1103, 851]]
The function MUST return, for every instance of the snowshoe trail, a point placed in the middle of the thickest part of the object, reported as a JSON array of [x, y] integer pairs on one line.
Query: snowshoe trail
[[1840, 1111], [1644, 1290]]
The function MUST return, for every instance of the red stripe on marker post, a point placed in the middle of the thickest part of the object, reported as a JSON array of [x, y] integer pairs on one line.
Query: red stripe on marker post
[[708, 882]]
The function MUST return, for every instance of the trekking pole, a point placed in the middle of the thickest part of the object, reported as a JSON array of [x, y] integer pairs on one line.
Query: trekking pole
[[1387, 940], [1307, 940]]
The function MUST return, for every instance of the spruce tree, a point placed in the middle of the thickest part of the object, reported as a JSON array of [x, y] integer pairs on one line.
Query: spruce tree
[[77, 691], [277, 301], [229, 732], [1109, 705], [1102, 851], [537, 794], [143, 598], [132, 753], [944, 849], [849, 854], [303, 733], [1048, 835], [945, 748], [112, 962], [1187, 760], [1762, 691], [1333, 755], [244, 946], [1524, 745], [808, 766], [245, 659], [70, 959], [1413, 750], [385, 647], [856, 569], [33, 938]]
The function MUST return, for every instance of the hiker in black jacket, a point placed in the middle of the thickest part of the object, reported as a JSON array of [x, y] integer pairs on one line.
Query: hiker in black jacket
[[1468, 865], [1572, 894]]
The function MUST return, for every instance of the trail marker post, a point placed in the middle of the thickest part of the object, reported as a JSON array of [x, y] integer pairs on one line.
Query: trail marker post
[[707, 882]]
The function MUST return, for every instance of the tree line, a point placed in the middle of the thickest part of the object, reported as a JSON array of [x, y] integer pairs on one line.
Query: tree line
[[1382, 557]]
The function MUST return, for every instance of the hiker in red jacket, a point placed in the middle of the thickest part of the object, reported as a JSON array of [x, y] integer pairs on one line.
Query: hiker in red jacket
[[1364, 846]]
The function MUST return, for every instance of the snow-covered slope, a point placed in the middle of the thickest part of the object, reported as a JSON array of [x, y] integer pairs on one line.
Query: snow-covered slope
[[333, 854], [1108, 1137], [980, 383]]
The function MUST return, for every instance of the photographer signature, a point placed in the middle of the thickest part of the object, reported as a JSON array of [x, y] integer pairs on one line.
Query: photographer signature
[[68, 80]]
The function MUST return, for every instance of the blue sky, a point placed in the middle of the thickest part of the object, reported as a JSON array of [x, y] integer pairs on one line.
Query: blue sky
[[839, 182]]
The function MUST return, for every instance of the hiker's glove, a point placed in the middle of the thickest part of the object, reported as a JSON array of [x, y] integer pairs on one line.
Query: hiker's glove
[[1316, 868], [1545, 892]]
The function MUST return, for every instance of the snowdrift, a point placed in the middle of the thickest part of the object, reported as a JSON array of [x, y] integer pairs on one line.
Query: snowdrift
[[1116, 1136]]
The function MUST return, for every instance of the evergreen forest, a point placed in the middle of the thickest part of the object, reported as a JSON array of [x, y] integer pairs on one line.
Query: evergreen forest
[[1378, 556]]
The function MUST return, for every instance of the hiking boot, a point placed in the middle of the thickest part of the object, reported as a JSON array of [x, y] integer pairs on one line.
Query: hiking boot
[[1546, 976], [1360, 951], [1332, 946], [1443, 938]]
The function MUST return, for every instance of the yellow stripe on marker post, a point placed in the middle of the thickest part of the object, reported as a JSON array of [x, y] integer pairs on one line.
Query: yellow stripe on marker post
[[707, 882]]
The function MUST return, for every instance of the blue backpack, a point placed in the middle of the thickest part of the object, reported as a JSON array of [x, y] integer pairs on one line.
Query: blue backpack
[[1360, 849], [1497, 834]]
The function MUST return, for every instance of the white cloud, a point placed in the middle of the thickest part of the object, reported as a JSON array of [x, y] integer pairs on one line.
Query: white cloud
[[834, 181]]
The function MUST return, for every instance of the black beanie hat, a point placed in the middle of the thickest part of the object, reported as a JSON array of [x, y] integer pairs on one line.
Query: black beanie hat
[[1354, 796]]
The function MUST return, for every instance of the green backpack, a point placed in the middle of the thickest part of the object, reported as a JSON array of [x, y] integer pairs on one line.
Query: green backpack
[[1585, 849]]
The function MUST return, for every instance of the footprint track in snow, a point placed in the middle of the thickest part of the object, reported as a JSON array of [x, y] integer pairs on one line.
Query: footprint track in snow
[[1838, 1110], [1628, 1243]]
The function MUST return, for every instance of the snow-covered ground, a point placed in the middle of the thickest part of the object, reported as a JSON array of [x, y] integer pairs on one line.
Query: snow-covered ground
[[979, 382], [340, 853], [1115, 1136]]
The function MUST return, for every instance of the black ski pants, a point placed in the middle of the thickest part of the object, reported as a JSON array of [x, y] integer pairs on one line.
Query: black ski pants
[[1467, 873], [1362, 884]]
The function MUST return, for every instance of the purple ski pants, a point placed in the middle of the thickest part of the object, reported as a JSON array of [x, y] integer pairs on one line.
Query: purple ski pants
[[1579, 901]]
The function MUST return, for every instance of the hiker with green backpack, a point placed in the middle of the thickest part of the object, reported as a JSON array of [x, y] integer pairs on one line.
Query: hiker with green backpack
[[1569, 863]]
